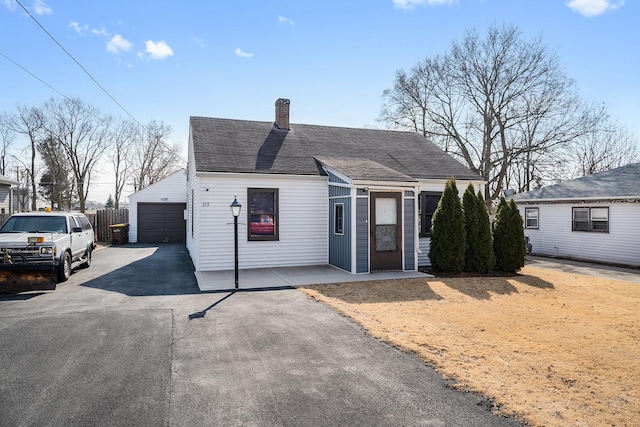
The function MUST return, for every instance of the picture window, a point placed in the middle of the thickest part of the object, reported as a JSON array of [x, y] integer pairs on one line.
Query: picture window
[[263, 218]]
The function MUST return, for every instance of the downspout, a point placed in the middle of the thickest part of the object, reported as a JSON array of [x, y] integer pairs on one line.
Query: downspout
[[354, 197], [416, 229]]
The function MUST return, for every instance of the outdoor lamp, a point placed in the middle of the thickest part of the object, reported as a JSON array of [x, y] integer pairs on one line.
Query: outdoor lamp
[[235, 210], [235, 207]]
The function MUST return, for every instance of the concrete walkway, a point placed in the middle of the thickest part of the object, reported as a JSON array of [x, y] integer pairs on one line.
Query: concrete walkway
[[581, 267], [290, 276]]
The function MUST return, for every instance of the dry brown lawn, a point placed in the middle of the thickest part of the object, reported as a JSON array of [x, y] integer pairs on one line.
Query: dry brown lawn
[[554, 348]]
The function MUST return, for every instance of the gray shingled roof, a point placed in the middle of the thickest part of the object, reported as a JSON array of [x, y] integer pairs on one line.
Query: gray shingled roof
[[225, 145], [363, 169], [622, 182]]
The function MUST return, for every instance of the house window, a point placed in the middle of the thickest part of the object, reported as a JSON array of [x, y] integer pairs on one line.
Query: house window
[[263, 215], [427, 205], [590, 219], [338, 218], [531, 218]]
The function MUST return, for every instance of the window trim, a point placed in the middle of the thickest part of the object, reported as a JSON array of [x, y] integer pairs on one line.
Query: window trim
[[526, 218], [338, 228], [276, 215], [590, 222]]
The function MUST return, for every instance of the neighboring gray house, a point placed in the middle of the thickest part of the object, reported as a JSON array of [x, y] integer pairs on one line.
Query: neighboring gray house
[[596, 217], [358, 199], [6, 194]]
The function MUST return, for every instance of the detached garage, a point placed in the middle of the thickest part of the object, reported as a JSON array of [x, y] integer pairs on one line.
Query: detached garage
[[156, 213]]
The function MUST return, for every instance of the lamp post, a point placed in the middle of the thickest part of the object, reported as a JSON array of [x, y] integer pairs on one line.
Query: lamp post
[[235, 210]]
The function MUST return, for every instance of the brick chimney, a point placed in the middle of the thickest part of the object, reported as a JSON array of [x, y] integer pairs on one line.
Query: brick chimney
[[282, 113]]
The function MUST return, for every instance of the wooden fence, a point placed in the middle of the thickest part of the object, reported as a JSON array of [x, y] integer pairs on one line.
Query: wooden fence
[[101, 220]]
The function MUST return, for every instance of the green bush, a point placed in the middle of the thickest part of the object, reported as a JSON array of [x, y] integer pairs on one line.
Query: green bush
[[479, 255], [484, 250], [471, 225], [508, 237], [448, 243]]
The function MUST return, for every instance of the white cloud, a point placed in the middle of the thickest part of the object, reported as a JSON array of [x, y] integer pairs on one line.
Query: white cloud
[[285, 20], [101, 32], [158, 50], [80, 29], [594, 7], [41, 8], [409, 4], [118, 44], [242, 54]]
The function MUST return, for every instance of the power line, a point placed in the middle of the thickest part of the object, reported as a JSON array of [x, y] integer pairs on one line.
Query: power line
[[92, 113], [79, 64], [34, 76]]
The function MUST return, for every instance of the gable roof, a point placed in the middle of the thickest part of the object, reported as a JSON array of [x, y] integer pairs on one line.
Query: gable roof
[[359, 169], [618, 183], [178, 177], [242, 146]]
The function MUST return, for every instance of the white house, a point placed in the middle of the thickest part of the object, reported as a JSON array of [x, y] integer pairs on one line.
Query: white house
[[157, 212], [6, 194], [595, 218], [358, 199]]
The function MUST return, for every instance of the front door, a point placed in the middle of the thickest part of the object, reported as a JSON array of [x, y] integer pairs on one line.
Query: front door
[[385, 231]]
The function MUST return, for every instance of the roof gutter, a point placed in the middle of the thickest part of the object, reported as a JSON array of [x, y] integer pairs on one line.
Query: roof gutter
[[631, 199], [257, 174], [367, 183]]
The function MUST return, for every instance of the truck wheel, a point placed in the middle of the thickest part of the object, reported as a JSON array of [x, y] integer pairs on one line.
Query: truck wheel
[[87, 259], [64, 269]]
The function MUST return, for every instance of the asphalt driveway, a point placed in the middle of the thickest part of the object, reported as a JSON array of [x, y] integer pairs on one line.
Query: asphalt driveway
[[131, 341]]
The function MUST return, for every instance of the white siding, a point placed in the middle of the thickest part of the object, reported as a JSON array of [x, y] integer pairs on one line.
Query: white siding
[[5, 199], [555, 238], [171, 189], [303, 233], [193, 201]]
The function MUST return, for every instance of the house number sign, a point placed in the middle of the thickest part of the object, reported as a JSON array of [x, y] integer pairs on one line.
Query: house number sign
[[205, 204]]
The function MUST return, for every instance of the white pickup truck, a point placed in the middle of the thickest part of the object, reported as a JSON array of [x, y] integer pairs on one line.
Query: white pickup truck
[[39, 249]]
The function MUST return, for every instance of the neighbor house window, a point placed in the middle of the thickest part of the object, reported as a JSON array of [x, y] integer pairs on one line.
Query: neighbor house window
[[263, 215], [427, 205], [338, 218], [590, 219], [531, 218]]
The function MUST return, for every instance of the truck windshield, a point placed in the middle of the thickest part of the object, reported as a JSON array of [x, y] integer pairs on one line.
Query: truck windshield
[[35, 224]]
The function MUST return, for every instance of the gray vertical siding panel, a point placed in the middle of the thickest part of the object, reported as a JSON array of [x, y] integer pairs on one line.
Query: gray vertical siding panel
[[338, 191], [362, 235], [333, 178], [409, 234], [340, 244]]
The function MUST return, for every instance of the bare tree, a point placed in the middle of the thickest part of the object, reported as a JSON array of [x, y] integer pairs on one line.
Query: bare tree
[[602, 150], [153, 157], [123, 136], [493, 102], [56, 183], [83, 134], [29, 121], [7, 137]]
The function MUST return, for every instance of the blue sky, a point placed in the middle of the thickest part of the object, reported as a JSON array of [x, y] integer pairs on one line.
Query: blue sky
[[170, 60]]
